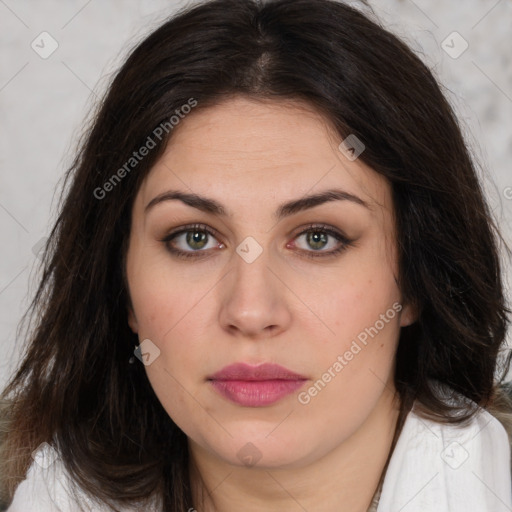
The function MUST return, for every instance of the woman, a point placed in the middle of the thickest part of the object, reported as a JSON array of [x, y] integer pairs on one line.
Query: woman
[[274, 284]]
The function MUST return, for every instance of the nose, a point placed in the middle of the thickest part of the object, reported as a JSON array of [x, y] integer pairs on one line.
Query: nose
[[254, 301]]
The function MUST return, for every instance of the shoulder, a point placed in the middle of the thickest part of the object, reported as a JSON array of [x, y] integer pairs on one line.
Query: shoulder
[[455, 467], [49, 488], [501, 408], [483, 432]]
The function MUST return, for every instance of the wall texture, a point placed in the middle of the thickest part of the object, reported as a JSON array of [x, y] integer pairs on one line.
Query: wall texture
[[57, 55]]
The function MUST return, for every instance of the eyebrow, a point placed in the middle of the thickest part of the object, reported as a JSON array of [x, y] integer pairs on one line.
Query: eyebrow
[[209, 205]]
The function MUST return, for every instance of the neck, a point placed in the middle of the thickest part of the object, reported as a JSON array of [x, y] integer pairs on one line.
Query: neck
[[343, 480]]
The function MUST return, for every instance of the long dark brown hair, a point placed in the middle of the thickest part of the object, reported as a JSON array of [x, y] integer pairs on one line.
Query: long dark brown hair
[[75, 388]]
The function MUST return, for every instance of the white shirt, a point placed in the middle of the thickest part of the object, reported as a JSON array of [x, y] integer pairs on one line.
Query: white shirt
[[433, 468], [449, 468]]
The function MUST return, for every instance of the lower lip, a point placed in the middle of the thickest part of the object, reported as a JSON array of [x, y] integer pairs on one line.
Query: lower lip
[[256, 393]]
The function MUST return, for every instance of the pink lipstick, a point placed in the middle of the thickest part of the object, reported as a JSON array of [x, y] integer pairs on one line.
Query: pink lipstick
[[255, 386]]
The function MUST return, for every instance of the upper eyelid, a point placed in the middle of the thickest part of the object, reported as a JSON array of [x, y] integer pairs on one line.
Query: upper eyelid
[[331, 230], [298, 231], [191, 227]]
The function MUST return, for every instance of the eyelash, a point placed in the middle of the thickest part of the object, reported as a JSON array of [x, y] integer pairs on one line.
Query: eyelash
[[317, 228]]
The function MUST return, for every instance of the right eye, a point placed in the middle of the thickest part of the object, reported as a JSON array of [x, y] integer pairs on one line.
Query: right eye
[[190, 241]]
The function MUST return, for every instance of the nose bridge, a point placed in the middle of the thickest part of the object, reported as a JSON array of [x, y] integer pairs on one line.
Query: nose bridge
[[251, 269], [254, 301]]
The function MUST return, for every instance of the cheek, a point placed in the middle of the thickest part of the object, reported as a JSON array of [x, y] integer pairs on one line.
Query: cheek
[[171, 319], [172, 390], [356, 364], [362, 312], [356, 299], [162, 298]]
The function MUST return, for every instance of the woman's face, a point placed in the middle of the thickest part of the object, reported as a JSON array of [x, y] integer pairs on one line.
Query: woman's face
[[269, 276]]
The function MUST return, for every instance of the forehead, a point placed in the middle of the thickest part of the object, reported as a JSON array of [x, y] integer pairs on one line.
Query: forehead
[[251, 151]]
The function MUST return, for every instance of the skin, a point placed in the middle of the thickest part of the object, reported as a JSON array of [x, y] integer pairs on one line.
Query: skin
[[285, 308]]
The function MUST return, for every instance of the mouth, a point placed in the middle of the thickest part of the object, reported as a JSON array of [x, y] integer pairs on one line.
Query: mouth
[[255, 386]]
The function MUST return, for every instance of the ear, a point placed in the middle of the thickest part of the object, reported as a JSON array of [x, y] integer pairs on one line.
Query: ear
[[132, 320], [409, 315]]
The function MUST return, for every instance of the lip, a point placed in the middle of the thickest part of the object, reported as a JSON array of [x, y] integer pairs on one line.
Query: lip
[[255, 386]]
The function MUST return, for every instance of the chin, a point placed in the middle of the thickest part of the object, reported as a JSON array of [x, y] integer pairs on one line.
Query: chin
[[260, 450]]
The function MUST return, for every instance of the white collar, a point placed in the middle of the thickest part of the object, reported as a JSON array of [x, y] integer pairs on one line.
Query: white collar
[[448, 468]]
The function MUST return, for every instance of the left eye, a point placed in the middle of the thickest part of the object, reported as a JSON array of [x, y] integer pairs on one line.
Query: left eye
[[200, 238], [318, 239]]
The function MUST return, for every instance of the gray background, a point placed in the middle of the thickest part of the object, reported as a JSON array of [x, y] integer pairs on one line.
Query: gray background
[[43, 103]]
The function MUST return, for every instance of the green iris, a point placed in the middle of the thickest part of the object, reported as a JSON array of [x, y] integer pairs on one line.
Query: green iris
[[316, 237], [199, 237]]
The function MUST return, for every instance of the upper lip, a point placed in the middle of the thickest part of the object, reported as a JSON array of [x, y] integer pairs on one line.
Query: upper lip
[[265, 371]]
